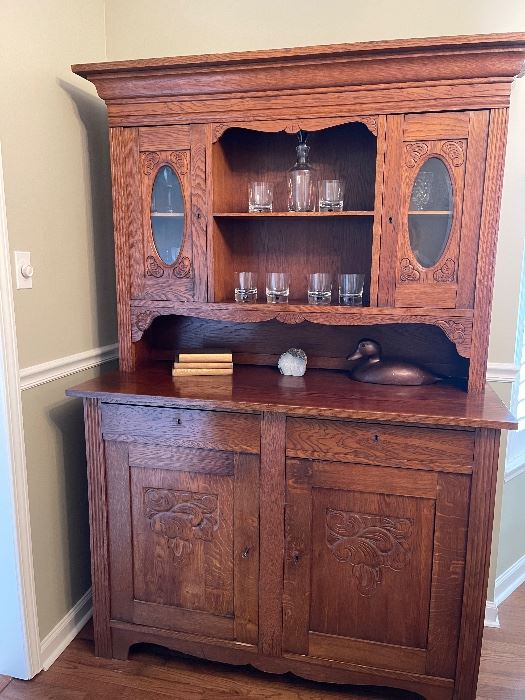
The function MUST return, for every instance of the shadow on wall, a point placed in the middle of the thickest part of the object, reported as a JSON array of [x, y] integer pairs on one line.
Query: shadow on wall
[[93, 114], [68, 418]]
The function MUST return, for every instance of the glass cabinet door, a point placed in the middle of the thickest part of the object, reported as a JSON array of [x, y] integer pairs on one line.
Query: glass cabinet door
[[167, 239], [432, 208], [430, 218], [167, 214]]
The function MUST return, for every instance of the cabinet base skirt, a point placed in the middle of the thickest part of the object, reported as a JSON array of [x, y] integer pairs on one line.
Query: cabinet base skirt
[[124, 635]]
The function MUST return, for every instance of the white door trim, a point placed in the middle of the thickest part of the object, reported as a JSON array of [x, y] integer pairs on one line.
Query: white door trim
[[16, 448]]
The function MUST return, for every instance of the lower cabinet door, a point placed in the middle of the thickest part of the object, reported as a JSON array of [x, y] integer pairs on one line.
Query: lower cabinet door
[[184, 539], [374, 565]]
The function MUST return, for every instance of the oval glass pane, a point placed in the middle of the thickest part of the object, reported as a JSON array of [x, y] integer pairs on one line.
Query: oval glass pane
[[430, 212], [167, 214]]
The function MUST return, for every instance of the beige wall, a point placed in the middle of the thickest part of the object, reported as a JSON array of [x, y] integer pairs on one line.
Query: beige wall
[[53, 136], [53, 133]]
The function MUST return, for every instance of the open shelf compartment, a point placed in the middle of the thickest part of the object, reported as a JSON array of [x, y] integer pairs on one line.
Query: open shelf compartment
[[282, 241]]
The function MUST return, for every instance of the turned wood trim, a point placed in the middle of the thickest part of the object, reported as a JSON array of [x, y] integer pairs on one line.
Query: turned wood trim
[[98, 512]]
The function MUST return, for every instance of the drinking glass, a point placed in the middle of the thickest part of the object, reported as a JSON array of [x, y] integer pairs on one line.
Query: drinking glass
[[320, 288], [260, 197], [351, 289], [331, 195], [277, 287], [246, 287]]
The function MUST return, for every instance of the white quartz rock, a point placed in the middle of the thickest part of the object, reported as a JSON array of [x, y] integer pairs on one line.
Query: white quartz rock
[[293, 362]]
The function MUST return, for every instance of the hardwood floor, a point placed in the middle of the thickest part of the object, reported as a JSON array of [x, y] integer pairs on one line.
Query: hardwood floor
[[156, 673]]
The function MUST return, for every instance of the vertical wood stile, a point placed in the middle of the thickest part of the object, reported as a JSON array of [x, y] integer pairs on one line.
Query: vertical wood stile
[[487, 248], [272, 491], [378, 209], [391, 208], [98, 527], [471, 208], [199, 214], [481, 513], [211, 232], [128, 236], [246, 547]]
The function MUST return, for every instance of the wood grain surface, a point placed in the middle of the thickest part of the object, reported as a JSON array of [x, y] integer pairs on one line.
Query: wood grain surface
[[318, 393]]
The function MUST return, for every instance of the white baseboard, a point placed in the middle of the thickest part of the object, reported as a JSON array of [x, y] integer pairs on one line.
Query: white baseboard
[[501, 372], [64, 366], [508, 581], [491, 614], [65, 631]]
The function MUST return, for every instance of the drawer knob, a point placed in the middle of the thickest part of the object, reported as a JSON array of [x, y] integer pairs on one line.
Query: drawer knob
[[375, 438], [245, 553]]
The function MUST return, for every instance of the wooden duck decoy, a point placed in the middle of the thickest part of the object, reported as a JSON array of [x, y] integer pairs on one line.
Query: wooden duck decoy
[[374, 370]]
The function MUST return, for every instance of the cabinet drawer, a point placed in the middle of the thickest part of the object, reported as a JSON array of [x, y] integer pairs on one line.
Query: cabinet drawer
[[391, 445], [218, 430]]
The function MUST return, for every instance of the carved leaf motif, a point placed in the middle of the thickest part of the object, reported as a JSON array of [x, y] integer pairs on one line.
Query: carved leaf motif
[[414, 152], [149, 161], [369, 543], [181, 517], [408, 272], [446, 272], [370, 123], [454, 152], [182, 268], [180, 161], [144, 320], [454, 330], [218, 131]]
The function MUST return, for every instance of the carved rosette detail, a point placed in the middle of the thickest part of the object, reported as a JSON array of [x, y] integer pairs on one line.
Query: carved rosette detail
[[180, 161], [153, 269], [181, 517], [414, 152], [446, 272], [454, 151], [182, 268], [369, 543], [144, 320], [454, 330], [149, 161], [408, 272]]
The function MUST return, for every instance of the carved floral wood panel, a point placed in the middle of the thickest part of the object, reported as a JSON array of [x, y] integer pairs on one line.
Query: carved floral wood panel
[[181, 517], [368, 543]]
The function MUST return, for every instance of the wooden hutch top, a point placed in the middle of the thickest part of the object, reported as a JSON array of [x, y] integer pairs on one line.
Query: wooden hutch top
[[377, 111]]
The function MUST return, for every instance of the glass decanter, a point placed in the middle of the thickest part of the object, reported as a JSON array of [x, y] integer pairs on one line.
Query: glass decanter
[[302, 180]]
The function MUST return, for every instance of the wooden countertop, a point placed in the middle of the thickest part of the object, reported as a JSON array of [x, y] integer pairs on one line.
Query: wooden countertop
[[325, 393]]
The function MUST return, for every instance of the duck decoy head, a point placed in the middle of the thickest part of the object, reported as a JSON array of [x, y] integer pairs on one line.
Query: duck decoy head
[[366, 348]]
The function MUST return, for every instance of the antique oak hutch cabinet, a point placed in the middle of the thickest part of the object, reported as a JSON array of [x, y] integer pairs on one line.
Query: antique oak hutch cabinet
[[318, 525]]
